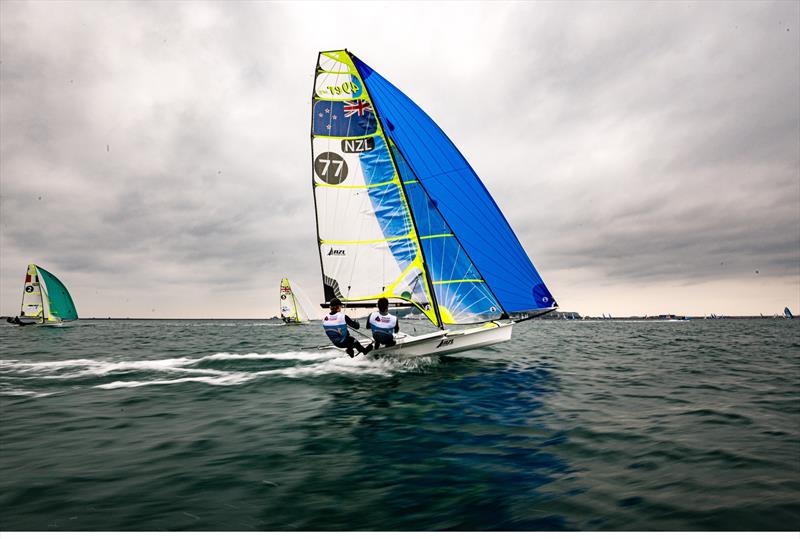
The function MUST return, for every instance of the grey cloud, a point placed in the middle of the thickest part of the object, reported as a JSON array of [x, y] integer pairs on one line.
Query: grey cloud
[[169, 141]]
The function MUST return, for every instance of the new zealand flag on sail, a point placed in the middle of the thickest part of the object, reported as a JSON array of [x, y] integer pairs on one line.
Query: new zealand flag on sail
[[353, 118]]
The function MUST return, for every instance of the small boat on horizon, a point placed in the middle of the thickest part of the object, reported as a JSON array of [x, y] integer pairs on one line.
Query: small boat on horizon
[[45, 300], [292, 310]]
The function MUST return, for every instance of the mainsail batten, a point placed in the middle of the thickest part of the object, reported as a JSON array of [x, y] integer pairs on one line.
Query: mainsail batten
[[460, 197]]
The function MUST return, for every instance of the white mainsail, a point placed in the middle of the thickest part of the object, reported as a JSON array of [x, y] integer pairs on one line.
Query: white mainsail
[[33, 304]]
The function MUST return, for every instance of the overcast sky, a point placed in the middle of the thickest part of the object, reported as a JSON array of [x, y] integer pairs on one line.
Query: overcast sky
[[156, 157]]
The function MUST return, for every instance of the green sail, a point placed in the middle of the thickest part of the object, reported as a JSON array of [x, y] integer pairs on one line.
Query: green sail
[[61, 304]]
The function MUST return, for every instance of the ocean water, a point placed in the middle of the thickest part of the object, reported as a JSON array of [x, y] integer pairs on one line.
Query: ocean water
[[244, 425]]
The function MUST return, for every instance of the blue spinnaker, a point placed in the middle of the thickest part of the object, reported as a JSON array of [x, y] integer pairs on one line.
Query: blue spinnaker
[[460, 197], [387, 203], [461, 293]]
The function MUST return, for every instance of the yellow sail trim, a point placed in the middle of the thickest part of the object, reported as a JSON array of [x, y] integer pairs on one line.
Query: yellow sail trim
[[435, 236], [459, 281], [390, 296], [375, 134], [447, 317], [337, 55], [415, 264], [389, 292], [365, 242], [363, 186], [321, 98]]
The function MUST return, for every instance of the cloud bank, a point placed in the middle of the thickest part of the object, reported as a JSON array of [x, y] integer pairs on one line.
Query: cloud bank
[[156, 156]]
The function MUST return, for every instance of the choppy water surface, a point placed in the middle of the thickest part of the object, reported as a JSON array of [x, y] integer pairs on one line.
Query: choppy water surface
[[233, 425]]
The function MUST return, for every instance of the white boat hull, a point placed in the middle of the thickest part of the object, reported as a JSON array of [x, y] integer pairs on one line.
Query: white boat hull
[[40, 324], [446, 342]]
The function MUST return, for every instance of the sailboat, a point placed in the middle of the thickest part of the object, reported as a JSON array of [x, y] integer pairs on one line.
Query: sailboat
[[292, 311], [787, 313], [401, 214], [45, 300]]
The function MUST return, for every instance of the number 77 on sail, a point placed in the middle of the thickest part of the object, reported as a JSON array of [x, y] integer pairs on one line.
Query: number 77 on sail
[[401, 214]]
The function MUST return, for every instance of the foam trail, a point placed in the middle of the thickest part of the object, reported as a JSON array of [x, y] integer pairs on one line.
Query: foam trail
[[99, 367], [316, 363], [299, 355], [23, 393], [230, 379], [358, 366], [91, 367]]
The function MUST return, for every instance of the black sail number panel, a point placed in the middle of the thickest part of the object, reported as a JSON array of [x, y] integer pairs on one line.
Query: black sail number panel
[[330, 167]]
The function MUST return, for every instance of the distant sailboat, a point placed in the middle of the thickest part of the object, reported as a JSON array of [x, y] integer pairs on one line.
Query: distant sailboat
[[45, 300], [402, 215], [292, 311], [787, 313]]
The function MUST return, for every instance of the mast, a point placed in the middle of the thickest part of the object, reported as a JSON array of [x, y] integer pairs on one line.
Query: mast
[[428, 281], [41, 294], [313, 182]]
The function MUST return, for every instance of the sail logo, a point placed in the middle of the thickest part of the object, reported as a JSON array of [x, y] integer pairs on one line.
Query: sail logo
[[445, 342], [336, 252], [541, 295], [358, 145]]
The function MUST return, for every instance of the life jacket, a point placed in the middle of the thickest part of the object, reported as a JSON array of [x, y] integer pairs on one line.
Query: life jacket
[[335, 327], [382, 325]]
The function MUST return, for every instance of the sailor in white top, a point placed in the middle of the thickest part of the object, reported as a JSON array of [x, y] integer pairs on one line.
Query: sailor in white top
[[335, 325], [383, 325]]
